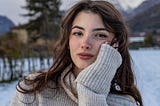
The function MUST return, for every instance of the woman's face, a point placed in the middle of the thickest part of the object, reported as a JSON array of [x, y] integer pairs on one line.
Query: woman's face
[[87, 34]]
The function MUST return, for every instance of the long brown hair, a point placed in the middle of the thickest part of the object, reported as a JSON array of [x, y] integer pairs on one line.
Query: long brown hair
[[114, 22]]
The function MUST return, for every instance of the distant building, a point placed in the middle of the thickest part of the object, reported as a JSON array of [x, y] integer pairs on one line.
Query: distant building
[[137, 37]]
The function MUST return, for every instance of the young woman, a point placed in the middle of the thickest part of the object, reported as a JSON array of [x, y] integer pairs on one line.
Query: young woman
[[92, 64]]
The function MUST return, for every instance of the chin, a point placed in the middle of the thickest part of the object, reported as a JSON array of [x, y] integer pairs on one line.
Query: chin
[[83, 66]]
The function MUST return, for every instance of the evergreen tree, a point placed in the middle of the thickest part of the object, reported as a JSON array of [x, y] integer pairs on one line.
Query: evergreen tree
[[148, 41], [44, 15]]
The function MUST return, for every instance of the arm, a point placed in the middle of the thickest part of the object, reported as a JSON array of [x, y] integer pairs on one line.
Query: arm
[[20, 99], [93, 83], [24, 99]]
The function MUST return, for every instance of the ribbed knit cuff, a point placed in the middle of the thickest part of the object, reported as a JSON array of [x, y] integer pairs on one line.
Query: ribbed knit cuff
[[98, 76], [89, 98]]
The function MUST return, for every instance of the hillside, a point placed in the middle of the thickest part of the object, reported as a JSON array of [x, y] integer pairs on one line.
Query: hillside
[[5, 24], [148, 20], [143, 6]]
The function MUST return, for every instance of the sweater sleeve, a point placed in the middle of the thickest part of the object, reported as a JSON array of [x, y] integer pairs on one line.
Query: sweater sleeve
[[20, 99], [23, 99], [93, 83]]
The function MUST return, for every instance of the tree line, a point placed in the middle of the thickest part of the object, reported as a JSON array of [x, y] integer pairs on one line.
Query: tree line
[[44, 17]]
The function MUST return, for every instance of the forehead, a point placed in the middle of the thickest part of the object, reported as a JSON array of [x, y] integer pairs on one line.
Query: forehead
[[88, 18]]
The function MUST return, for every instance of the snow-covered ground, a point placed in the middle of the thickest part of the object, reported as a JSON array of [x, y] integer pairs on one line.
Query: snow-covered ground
[[147, 70], [6, 93]]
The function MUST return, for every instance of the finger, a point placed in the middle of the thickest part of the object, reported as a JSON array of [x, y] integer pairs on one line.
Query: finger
[[106, 42], [113, 41], [116, 45]]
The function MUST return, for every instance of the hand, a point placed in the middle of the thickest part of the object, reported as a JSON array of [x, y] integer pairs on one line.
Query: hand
[[98, 75]]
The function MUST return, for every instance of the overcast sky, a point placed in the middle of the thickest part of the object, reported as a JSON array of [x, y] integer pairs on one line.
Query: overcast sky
[[12, 8]]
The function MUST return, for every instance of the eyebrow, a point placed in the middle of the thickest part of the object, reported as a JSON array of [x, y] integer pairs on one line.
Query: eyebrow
[[96, 29], [79, 27], [99, 29]]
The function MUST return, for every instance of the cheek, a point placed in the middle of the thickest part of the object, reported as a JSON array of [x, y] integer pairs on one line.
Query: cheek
[[97, 46], [73, 45]]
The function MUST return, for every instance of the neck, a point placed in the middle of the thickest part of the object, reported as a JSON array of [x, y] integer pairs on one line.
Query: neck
[[76, 71]]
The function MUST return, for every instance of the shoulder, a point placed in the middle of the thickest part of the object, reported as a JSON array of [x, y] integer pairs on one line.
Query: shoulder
[[25, 83], [121, 100], [22, 97], [33, 80]]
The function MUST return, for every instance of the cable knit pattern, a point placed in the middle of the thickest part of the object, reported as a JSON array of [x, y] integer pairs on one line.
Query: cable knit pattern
[[98, 76]]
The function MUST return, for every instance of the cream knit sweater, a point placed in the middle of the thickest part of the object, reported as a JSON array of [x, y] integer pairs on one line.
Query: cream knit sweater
[[90, 88]]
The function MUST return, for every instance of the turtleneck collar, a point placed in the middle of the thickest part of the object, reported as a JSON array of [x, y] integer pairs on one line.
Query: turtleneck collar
[[69, 84]]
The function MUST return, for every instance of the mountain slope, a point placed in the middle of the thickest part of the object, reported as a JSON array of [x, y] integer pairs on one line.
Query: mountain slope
[[144, 6], [119, 6], [5, 24], [148, 20]]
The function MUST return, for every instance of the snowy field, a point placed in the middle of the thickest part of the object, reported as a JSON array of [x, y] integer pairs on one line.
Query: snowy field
[[147, 70]]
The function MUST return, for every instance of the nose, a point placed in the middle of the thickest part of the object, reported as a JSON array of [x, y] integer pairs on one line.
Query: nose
[[86, 43]]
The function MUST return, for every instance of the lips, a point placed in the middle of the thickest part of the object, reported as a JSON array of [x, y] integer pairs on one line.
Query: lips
[[85, 56]]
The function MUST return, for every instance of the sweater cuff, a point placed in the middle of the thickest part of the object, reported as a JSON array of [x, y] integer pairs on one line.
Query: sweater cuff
[[98, 76], [86, 97]]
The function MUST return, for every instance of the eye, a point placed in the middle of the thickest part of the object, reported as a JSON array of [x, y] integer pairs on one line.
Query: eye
[[101, 36], [77, 33]]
